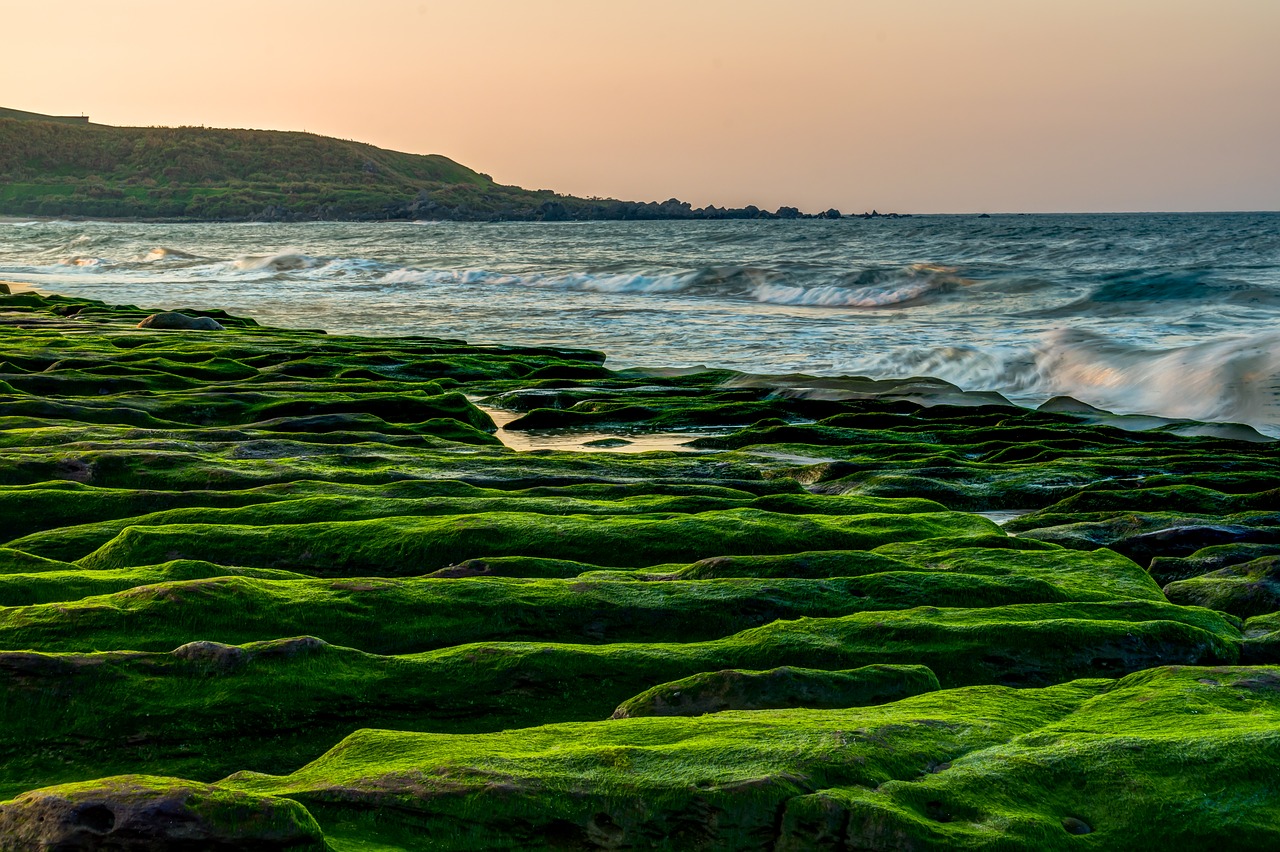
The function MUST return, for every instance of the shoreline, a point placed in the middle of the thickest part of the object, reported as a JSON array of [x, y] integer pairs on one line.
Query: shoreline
[[931, 391]]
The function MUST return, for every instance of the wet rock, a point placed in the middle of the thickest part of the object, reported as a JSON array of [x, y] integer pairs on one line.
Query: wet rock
[[1072, 825], [1242, 590], [1167, 569], [135, 813], [172, 320], [1185, 540], [293, 647], [212, 653]]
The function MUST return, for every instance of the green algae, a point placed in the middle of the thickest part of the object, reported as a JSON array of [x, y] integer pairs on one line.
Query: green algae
[[1245, 590], [973, 768], [271, 704], [75, 541], [138, 812], [173, 503], [419, 545], [776, 689], [382, 615]]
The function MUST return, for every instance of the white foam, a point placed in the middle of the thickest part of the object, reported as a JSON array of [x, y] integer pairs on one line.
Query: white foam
[[161, 253], [284, 261], [895, 287], [1233, 380], [627, 282]]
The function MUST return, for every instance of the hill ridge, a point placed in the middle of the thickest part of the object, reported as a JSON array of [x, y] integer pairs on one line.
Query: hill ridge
[[52, 167]]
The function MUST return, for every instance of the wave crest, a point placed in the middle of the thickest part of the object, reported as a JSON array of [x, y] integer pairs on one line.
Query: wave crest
[[1234, 380], [872, 288]]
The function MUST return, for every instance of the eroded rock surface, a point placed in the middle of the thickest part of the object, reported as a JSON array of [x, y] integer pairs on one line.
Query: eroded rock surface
[[314, 566], [149, 814]]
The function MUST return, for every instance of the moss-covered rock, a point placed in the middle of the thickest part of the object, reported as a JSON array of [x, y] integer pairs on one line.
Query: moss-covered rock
[[243, 551], [778, 689], [971, 768], [1246, 590], [137, 813]]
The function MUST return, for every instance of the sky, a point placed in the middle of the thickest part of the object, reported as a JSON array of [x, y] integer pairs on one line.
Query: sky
[[897, 105]]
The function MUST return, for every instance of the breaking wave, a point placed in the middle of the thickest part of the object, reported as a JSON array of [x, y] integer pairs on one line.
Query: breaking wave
[[873, 288], [162, 254], [863, 289], [282, 262], [84, 261], [1234, 379]]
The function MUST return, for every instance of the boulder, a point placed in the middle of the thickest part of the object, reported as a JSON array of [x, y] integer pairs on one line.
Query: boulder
[[138, 813], [172, 320]]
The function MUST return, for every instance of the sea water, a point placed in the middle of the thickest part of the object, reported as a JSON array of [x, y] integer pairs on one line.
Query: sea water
[[1176, 315]]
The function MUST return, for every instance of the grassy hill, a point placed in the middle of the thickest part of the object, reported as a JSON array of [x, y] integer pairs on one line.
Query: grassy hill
[[52, 167]]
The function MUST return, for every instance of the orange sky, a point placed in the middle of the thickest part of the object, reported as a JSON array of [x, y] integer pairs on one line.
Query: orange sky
[[906, 105]]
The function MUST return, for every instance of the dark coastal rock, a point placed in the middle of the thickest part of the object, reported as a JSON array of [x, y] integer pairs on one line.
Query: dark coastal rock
[[1186, 540], [214, 654], [1242, 590], [136, 813], [776, 689], [4, 289], [172, 320], [1144, 537], [1169, 569]]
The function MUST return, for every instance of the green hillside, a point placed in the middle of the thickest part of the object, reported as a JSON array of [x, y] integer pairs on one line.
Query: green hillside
[[65, 166], [52, 168]]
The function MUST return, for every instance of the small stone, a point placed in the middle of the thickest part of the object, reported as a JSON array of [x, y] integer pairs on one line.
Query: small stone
[[1076, 826]]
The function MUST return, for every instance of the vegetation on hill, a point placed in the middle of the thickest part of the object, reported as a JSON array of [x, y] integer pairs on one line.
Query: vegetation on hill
[[53, 168]]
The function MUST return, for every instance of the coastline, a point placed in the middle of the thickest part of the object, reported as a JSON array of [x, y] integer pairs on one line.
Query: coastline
[[292, 586]]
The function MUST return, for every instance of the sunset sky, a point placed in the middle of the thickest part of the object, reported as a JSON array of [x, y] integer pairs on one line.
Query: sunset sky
[[900, 105]]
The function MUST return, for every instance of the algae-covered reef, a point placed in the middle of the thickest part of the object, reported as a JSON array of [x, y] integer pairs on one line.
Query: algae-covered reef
[[270, 589]]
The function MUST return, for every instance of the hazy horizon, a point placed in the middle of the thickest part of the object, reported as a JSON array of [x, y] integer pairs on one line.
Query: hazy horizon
[[922, 107]]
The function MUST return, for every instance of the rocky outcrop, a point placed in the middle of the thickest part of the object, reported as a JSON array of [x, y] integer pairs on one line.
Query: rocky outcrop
[[174, 321], [135, 813]]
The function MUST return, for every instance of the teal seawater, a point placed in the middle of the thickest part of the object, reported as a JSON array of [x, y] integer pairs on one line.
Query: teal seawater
[[1169, 314]]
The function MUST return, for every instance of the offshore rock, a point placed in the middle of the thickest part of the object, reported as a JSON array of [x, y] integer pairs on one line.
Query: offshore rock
[[172, 320], [138, 813]]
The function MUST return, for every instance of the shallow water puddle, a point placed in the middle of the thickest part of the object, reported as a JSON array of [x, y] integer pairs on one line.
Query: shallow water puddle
[[589, 441], [1005, 516]]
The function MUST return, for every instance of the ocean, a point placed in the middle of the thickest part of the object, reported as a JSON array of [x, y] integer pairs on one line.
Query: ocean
[[1176, 315]]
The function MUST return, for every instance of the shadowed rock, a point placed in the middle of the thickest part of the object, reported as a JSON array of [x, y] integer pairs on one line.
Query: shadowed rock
[[1242, 590], [137, 813]]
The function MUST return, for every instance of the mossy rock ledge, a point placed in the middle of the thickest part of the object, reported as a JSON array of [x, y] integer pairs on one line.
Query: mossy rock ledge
[[266, 589]]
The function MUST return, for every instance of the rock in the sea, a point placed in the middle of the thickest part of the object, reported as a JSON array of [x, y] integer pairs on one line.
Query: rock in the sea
[[139, 813], [780, 688], [172, 320]]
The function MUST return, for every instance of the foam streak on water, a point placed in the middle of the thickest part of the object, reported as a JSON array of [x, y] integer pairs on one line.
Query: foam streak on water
[[1174, 315]]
